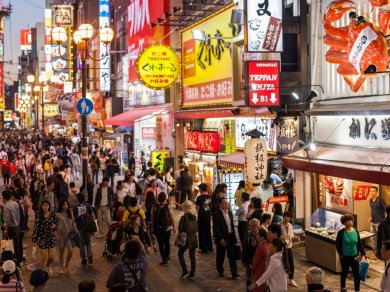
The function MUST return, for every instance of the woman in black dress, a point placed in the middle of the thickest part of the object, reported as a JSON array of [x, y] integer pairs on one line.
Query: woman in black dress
[[44, 235]]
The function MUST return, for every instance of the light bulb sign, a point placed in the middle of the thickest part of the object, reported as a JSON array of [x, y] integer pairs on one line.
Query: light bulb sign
[[263, 79], [158, 67]]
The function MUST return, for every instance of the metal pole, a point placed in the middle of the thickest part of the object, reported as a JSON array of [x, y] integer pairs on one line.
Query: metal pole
[[36, 111], [84, 120], [43, 112]]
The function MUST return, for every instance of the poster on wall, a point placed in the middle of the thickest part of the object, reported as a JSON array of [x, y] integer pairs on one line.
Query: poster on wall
[[245, 124], [338, 193], [263, 25], [207, 68]]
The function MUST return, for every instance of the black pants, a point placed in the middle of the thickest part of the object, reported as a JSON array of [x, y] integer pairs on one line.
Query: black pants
[[221, 253], [204, 233], [242, 230], [14, 234], [95, 174], [6, 177], [290, 258], [347, 262], [185, 193], [163, 238]]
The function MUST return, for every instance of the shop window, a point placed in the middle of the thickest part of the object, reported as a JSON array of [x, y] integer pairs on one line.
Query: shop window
[[290, 53]]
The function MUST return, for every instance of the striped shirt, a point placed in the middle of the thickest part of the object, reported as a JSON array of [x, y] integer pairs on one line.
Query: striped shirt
[[12, 286]]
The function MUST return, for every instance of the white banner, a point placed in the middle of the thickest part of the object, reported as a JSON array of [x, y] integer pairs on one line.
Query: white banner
[[263, 26], [255, 161]]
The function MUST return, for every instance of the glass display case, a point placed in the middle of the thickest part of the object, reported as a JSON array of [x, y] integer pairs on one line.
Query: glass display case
[[325, 223]]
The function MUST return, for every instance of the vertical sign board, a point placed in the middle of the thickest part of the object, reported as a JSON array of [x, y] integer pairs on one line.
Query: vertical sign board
[[62, 15], [288, 135], [264, 83], [263, 25], [104, 20], [255, 161], [25, 39]]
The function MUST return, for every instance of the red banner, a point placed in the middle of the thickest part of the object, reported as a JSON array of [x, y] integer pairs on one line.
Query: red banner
[[203, 141], [264, 82], [140, 33]]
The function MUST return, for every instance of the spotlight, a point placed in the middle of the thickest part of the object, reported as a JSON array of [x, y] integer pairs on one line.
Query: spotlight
[[312, 146], [313, 94], [236, 111], [295, 95]]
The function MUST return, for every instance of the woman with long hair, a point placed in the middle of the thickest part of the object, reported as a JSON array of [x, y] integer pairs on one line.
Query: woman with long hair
[[65, 226], [240, 189], [150, 201], [153, 188], [276, 274], [277, 209], [129, 185], [44, 235]]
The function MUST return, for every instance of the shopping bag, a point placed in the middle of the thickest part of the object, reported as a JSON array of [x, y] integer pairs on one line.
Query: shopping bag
[[7, 244], [363, 269]]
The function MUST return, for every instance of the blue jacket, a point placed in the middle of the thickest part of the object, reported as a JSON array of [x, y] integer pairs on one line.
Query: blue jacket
[[98, 198]]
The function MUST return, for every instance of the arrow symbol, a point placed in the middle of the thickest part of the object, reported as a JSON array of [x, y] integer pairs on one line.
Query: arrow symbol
[[273, 98], [254, 98], [158, 157]]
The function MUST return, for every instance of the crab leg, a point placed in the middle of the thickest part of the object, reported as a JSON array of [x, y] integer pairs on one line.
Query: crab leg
[[355, 85], [336, 44], [336, 57]]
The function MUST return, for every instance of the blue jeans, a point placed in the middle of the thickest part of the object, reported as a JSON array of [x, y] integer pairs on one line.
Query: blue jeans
[[182, 261], [85, 244]]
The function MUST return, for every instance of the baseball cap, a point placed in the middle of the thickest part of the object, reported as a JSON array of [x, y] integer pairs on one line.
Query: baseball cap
[[8, 267]]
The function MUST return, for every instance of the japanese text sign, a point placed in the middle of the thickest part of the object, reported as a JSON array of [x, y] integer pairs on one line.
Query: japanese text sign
[[158, 67], [288, 135], [63, 15], [255, 160], [264, 81], [207, 65], [203, 141], [263, 25], [104, 20], [25, 39], [140, 33]]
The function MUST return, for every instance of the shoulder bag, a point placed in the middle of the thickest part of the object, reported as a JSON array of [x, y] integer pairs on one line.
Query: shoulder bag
[[89, 224]]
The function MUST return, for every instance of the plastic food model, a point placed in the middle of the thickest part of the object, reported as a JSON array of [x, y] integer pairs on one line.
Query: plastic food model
[[334, 187], [359, 48]]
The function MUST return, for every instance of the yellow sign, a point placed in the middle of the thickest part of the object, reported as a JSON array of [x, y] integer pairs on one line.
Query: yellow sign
[[158, 67], [51, 110], [207, 68], [157, 159], [28, 120]]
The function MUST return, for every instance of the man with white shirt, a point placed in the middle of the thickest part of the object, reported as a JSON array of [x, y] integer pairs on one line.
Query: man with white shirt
[[103, 203], [241, 216], [75, 159], [225, 237], [385, 282]]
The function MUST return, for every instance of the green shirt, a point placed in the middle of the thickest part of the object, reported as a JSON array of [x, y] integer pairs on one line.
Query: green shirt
[[350, 243]]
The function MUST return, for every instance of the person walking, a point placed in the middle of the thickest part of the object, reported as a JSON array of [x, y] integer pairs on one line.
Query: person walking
[[203, 204], [6, 170], [112, 167], [188, 228], [94, 162], [103, 202], [80, 211], [288, 237], [314, 280], [275, 276], [187, 182], [385, 281], [48, 195], [349, 246], [163, 223], [378, 208], [383, 232], [76, 162], [65, 226], [225, 237], [241, 216], [44, 235], [132, 163]]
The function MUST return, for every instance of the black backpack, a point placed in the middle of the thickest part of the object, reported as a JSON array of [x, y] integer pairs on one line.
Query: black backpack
[[161, 220]]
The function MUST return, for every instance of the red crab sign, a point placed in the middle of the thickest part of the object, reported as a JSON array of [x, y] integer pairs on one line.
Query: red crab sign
[[360, 48]]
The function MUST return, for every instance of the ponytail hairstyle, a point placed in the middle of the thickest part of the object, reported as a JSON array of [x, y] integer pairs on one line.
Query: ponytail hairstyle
[[281, 247]]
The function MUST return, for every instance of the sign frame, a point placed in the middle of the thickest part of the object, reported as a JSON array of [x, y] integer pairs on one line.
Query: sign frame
[[89, 105]]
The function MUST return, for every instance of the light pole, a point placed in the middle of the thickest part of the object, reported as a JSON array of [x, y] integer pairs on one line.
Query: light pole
[[31, 88], [81, 38]]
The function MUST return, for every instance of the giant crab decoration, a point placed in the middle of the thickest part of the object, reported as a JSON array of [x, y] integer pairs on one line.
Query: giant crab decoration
[[359, 48]]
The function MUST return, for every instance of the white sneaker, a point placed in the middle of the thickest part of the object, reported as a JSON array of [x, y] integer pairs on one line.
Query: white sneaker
[[293, 283]]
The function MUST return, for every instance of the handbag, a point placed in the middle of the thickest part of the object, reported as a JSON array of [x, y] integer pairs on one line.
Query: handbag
[[89, 224], [181, 239], [237, 252], [74, 238], [363, 269]]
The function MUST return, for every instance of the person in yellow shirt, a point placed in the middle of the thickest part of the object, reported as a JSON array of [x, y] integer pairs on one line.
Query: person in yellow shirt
[[134, 210], [241, 189]]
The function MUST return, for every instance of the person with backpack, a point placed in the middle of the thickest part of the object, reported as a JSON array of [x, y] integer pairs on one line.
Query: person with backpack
[[94, 162], [163, 224], [383, 233], [62, 191], [134, 210]]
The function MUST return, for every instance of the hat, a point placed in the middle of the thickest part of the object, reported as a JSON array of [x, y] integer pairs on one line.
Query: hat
[[9, 267], [38, 277], [186, 206]]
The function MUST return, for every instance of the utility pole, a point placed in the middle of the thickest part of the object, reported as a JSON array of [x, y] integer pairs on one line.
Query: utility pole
[[4, 12]]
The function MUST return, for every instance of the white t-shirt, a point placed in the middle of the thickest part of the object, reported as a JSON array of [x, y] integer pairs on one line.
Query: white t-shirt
[[130, 189], [121, 194]]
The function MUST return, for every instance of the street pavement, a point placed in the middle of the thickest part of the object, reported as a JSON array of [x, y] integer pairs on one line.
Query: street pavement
[[166, 278]]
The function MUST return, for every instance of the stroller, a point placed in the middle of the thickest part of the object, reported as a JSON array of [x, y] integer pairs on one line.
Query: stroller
[[113, 241]]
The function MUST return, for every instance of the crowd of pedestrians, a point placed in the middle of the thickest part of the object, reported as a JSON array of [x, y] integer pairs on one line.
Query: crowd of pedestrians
[[134, 213]]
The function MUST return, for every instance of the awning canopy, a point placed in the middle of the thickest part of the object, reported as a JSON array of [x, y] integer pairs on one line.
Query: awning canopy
[[357, 164], [365, 108], [204, 114], [236, 159], [128, 118]]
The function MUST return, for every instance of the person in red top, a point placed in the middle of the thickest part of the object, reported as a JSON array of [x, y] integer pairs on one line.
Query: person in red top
[[259, 263], [6, 169]]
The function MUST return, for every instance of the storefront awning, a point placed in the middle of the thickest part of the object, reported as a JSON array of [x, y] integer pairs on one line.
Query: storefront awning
[[236, 159], [372, 108], [367, 165], [204, 114], [128, 118]]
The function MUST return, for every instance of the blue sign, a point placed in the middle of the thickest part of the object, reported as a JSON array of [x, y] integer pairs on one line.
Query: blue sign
[[84, 106]]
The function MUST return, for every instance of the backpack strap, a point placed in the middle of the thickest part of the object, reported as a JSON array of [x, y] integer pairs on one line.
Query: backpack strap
[[136, 278]]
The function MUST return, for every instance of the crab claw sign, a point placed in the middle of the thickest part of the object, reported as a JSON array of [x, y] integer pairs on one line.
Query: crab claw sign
[[255, 160], [264, 83]]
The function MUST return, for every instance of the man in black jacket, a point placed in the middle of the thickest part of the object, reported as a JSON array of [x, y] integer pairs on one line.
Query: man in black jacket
[[383, 232], [225, 237]]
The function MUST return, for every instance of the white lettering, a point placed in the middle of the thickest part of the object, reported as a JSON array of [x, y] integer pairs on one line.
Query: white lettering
[[139, 16]]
